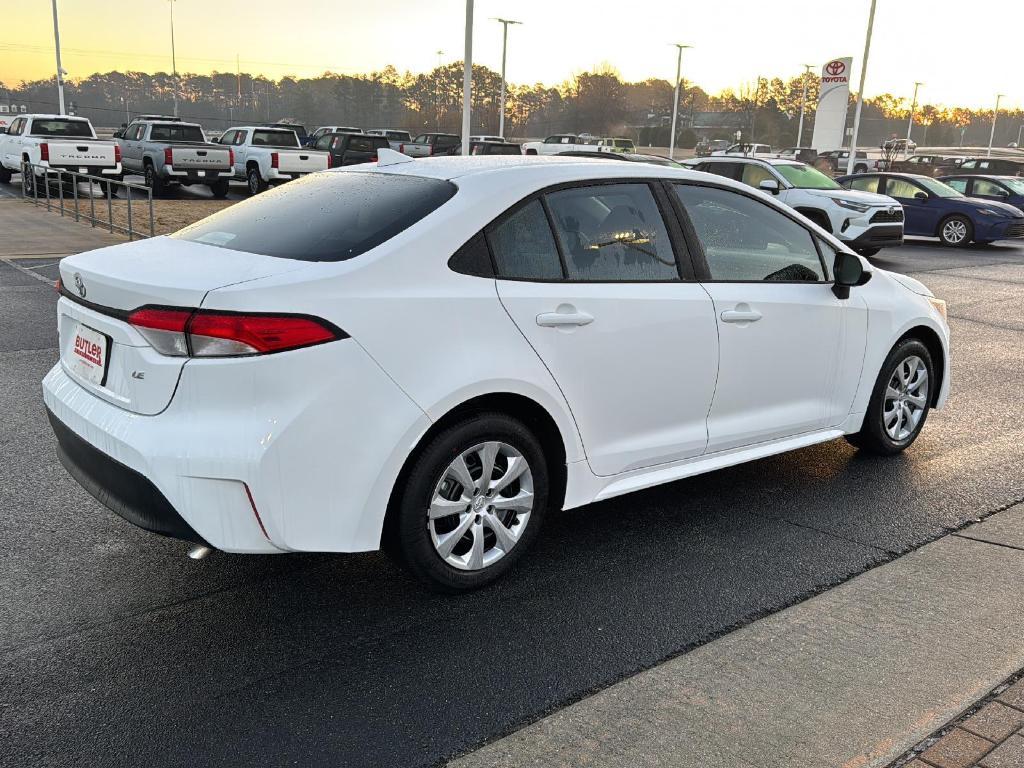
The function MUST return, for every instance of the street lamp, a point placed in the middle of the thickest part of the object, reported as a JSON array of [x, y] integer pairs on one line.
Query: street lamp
[[174, 62], [860, 89], [675, 98], [995, 114], [467, 78], [504, 46], [913, 106], [803, 103], [60, 69]]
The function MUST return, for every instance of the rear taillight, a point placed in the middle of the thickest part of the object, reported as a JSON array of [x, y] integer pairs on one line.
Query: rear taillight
[[401, 148], [204, 333], [330, 160], [117, 153], [430, 150], [44, 152], [275, 160], [168, 156], [373, 159], [231, 157]]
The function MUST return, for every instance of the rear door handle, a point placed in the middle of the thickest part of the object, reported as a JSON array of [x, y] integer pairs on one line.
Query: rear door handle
[[566, 314], [742, 314]]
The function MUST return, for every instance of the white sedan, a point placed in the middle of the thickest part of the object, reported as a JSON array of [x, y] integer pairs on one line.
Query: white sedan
[[429, 355]]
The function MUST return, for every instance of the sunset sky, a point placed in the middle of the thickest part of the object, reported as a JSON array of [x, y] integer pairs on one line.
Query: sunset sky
[[735, 40]]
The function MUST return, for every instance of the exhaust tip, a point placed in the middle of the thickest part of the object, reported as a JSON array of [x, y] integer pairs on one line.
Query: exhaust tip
[[199, 551]]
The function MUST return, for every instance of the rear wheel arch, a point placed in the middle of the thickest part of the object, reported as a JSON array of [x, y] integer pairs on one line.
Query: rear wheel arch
[[533, 415]]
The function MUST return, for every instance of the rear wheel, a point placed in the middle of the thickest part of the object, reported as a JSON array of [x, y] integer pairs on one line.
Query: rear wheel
[[255, 181], [531, 151], [472, 504], [860, 169], [153, 181], [220, 189], [956, 230], [899, 402]]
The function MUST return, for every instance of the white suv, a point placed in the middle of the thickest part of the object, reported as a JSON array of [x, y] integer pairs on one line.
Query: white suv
[[865, 221], [428, 355]]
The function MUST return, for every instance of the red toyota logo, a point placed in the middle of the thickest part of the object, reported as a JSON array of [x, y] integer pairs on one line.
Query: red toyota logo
[[835, 68]]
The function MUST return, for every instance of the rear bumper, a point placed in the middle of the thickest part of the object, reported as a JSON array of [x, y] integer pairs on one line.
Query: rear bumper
[[118, 487], [113, 171], [210, 176]]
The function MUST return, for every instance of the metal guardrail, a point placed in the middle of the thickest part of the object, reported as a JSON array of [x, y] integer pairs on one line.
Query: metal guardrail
[[53, 187]]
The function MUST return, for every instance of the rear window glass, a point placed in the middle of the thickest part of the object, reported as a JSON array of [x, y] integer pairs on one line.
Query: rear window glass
[[323, 217], [79, 129], [367, 143], [177, 133], [274, 138]]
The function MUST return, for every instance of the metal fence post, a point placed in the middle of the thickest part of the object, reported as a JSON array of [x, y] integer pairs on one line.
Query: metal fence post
[[128, 191], [60, 189], [74, 192], [46, 186], [92, 205], [110, 210], [152, 229]]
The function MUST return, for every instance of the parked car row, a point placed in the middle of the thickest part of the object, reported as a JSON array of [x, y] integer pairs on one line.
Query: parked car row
[[571, 142]]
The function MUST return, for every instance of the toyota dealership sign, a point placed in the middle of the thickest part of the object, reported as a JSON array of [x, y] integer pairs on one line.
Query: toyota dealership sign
[[830, 119]]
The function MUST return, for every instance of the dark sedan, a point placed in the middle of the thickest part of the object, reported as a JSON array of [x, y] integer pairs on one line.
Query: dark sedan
[[1003, 189], [351, 148], [934, 209]]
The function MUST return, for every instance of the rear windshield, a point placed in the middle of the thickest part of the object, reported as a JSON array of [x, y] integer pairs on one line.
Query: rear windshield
[[323, 217], [367, 143], [274, 138], [79, 129], [398, 135], [177, 133]]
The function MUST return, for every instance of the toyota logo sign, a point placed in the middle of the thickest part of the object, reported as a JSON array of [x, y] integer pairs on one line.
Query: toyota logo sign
[[835, 68], [80, 285]]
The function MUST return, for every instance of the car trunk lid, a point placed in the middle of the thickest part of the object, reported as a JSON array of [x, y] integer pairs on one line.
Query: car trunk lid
[[81, 153]]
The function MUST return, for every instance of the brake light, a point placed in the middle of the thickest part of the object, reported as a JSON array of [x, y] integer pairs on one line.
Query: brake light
[[373, 159], [44, 152], [168, 156], [205, 333], [275, 160], [117, 153], [231, 157], [330, 160], [401, 148]]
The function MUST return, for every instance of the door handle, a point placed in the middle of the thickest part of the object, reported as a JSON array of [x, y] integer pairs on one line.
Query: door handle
[[742, 314], [566, 314]]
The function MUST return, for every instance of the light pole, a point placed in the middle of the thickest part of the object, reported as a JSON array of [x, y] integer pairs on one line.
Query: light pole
[[174, 62], [675, 98], [504, 46], [753, 116], [995, 115], [467, 78], [1019, 132], [60, 69], [803, 104], [860, 89], [913, 106]]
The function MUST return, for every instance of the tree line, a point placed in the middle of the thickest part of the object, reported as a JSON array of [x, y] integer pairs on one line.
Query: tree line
[[597, 101]]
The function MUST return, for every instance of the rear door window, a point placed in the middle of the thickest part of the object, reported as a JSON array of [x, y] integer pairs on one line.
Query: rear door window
[[960, 185], [323, 217], [612, 232]]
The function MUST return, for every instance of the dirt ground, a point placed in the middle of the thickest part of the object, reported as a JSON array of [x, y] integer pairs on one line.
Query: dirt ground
[[168, 215]]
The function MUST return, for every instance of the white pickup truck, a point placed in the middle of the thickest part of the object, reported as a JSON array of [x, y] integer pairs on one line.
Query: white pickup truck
[[746, 149], [265, 156], [562, 142], [56, 141]]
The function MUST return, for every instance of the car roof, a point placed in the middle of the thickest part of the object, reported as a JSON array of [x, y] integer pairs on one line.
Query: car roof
[[765, 160], [51, 117]]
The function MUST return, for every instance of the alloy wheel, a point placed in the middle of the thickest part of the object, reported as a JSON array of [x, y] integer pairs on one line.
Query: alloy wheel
[[906, 398], [954, 231], [481, 506]]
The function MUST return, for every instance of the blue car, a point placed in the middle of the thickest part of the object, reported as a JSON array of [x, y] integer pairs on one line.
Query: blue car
[[1003, 189], [934, 209]]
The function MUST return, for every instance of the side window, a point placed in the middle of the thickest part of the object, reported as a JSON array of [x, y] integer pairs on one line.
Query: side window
[[612, 232], [969, 164], [15, 129], [864, 183], [900, 188], [960, 185], [728, 170], [139, 132], [240, 137], [747, 240], [323, 142], [987, 188], [523, 245], [754, 174]]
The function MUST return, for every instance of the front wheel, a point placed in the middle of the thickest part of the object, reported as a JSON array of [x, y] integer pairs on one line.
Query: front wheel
[[472, 504], [255, 181], [956, 230], [899, 402]]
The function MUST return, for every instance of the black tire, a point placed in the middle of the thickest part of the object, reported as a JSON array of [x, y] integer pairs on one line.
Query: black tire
[[408, 537], [860, 169], [5, 175], [948, 225], [531, 151], [27, 182], [873, 437], [153, 181], [868, 252], [983, 242], [220, 189], [255, 181]]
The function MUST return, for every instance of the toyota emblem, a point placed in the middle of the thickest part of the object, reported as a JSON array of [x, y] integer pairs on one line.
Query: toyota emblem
[[835, 68], [79, 285], [892, 210]]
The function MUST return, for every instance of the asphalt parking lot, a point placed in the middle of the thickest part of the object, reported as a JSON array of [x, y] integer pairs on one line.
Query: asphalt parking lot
[[115, 649]]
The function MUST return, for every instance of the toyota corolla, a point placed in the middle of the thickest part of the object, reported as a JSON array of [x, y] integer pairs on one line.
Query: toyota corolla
[[429, 355]]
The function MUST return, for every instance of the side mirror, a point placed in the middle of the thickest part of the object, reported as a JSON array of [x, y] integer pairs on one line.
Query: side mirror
[[849, 273], [920, 195], [769, 185], [118, 134]]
